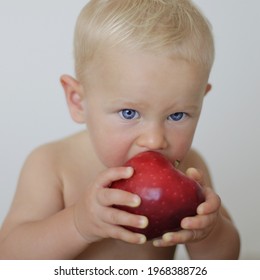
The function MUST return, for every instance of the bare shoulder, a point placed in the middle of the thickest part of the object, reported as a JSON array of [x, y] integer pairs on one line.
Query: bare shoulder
[[47, 160], [54, 155], [39, 192]]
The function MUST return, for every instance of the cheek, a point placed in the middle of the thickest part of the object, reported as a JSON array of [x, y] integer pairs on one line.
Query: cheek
[[182, 143], [111, 152], [182, 149], [110, 144]]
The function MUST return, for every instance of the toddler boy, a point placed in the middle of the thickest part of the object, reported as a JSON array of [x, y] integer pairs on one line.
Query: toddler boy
[[142, 71]]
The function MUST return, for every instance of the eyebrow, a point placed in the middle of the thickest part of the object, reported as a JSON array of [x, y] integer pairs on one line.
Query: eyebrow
[[128, 104]]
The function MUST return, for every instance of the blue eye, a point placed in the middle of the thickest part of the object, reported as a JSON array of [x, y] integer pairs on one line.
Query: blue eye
[[176, 117], [129, 114]]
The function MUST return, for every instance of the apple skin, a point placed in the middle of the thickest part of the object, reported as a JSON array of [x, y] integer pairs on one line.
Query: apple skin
[[167, 195]]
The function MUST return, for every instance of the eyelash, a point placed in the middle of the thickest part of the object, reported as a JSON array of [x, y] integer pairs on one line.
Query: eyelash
[[131, 114]]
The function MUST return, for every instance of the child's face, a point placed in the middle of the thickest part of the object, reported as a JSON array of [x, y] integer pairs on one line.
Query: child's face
[[137, 102]]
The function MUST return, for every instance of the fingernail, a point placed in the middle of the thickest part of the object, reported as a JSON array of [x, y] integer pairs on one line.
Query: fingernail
[[200, 210], [129, 171], [143, 222], [142, 239], [168, 237], [136, 201], [156, 243]]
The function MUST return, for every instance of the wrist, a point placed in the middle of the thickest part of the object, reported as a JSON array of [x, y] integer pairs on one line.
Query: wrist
[[78, 227]]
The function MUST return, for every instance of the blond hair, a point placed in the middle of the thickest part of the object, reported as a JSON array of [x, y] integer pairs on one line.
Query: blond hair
[[175, 27]]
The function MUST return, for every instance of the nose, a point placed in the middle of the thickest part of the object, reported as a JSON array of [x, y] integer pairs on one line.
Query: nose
[[152, 137]]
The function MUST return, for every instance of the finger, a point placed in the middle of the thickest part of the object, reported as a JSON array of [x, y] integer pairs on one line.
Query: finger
[[123, 218], [107, 177], [108, 197], [199, 222], [123, 234], [173, 238], [196, 175], [212, 202], [179, 237]]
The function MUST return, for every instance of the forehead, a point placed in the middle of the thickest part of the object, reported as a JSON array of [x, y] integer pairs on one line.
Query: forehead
[[138, 71]]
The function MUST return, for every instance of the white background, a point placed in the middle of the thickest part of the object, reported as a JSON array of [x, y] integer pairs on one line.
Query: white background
[[36, 48]]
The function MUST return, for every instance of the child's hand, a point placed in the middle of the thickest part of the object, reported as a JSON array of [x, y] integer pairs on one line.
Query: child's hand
[[94, 216], [198, 227]]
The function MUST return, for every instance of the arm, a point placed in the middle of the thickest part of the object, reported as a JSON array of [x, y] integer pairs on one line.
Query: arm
[[52, 238], [222, 241], [210, 234], [39, 227]]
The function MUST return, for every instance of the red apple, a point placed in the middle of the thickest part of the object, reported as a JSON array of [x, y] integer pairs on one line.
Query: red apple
[[167, 195]]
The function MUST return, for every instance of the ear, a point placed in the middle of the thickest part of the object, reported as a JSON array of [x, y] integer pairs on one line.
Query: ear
[[74, 97], [208, 88]]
